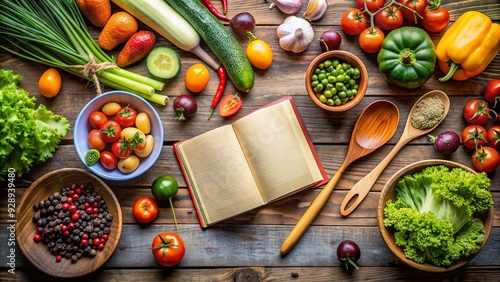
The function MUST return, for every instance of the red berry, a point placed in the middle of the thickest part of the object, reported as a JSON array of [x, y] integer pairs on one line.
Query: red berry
[[58, 258], [85, 236], [65, 206], [69, 200], [78, 191], [73, 186], [96, 210], [75, 197], [96, 241], [39, 229], [37, 238], [94, 215], [66, 233], [71, 193], [71, 225], [84, 242], [72, 208], [86, 204], [89, 210], [104, 237], [100, 246], [95, 204], [64, 227], [75, 216]]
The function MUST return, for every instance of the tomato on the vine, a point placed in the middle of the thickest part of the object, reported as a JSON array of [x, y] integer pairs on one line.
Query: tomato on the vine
[[372, 5], [474, 136], [126, 116], [485, 159], [230, 105], [493, 134], [121, 149], [353, 21], [97, 119], [95, 140], [168, 249], [108, 160], [371, 39], [477, 112], [145, 209], [111, 131], [436, 20], [390, 18], [416, 5], [492, 91]]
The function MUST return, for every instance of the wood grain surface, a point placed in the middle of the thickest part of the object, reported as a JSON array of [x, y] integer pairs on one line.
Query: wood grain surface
[[246, 248]]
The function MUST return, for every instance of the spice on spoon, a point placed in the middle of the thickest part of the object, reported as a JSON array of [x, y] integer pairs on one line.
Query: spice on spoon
[[428, 112]]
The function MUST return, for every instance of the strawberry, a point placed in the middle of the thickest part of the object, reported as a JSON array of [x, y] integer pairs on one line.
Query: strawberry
[[136, 48]]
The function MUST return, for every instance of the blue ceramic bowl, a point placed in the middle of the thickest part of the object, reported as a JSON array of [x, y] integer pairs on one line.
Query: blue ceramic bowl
[[83, 127]]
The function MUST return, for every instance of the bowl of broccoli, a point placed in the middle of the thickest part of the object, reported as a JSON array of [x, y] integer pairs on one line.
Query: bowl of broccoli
[[436, 215]]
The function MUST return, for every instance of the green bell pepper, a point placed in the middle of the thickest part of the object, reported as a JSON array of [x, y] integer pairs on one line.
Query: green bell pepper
[[407, 57]]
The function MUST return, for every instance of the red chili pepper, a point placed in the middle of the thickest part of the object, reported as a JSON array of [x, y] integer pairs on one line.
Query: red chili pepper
[[224, 6], [214, 10], [220, 89]]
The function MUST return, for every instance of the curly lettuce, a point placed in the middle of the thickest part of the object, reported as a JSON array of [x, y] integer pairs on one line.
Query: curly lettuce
[[29, 135], [434, 214]]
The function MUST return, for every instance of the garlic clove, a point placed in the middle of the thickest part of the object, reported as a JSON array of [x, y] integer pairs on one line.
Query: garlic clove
[[287, 6], [315, 9]]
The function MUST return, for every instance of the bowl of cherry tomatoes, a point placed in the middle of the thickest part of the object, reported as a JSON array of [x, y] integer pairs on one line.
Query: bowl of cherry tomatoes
[[124, 133]]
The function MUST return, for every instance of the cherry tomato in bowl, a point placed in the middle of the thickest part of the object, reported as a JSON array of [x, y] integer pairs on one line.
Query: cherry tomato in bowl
[[168, 249], [97, 119], [126, 116], [230, 105], [145, 210]]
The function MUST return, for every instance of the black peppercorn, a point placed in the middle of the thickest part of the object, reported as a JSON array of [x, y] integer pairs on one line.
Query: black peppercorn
[[36, 218], [36, 206]]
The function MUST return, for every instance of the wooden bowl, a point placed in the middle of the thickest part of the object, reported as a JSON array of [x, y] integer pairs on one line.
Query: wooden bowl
[[342, 56], [37, 252], [388, 192]]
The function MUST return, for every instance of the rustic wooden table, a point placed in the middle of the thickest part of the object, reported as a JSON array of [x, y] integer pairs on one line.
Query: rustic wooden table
[[246, 248]]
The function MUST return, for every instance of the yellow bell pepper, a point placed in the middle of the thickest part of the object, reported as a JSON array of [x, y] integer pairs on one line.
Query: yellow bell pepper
[[468, 46]]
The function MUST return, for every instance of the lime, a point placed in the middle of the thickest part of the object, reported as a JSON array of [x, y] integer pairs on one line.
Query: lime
[[163, 62]]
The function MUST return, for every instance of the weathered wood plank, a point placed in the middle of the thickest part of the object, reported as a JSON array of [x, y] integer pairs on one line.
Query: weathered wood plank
[[253, 274], [254, 245]]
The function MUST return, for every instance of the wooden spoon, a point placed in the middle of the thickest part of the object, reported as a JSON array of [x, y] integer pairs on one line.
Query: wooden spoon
[[363, 186], [374, 127]]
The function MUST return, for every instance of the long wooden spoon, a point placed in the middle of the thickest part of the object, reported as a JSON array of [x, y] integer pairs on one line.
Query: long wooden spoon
[[363, 186], [374, 127]]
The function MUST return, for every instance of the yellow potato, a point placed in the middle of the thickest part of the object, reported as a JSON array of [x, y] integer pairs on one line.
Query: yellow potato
[[128, 164], [148, 149], [111, 108], [143, 123]]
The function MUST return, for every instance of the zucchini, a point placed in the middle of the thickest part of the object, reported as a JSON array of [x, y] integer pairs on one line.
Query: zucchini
[[219, 40]]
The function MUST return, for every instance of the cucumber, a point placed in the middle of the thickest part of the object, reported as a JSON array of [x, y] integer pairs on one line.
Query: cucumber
[[163, 62], [219, 40]]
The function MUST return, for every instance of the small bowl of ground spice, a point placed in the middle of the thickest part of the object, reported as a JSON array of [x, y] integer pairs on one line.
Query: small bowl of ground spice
[[68, 223]]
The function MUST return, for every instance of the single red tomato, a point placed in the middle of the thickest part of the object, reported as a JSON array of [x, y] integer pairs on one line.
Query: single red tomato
[[353, 21], [493, 134], [492, 91], [390, 18], [145, 209], [372, 5], [371, 39], [168, 249], [96, 140], [111, 131], [416, 5], [126, 116], [477, 112], [436, 20], [485, 159], [97, 119], [230, 105], [474, 136], [121, 149], [108, 160]]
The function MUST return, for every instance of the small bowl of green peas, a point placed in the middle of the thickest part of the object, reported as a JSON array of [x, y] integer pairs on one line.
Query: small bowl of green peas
[[336, 80]]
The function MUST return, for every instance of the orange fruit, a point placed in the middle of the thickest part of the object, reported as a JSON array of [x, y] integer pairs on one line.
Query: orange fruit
[[119, 28], [97, 12]]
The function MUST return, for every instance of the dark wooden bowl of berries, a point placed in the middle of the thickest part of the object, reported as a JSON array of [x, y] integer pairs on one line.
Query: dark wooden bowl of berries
[[69, 223]]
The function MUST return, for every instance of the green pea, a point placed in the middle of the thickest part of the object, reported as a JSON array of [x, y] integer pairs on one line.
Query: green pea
[[334, 91], [349, 94], [332, 79], [324, 81], [356, 73], [321, 76], [317, 71], [352, 82], [327, 63], [318, 88], [314, 77], [328, 93], [339, 85], [330, 86], [322, 98], [346, 65], [335, 63], [340, 77], [314, 83], [330, 102], [342, 94], [321, 66]]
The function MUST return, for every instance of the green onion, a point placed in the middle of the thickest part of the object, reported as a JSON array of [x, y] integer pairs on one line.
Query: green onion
[[54, 33]]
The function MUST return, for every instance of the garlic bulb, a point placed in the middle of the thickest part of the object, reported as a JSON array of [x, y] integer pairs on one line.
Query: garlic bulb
[[287, 6], [315, 9], [295, 34]]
